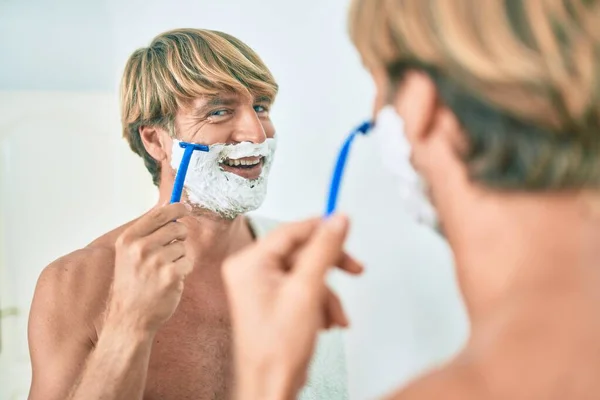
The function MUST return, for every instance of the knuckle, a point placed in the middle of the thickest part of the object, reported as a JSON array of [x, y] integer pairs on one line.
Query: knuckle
[[177, 230], [175, 210], [181, 208], [156, 261], [123, 240], [157, 216], [172, 273], [182, 230], [186, 266], [138, 250]]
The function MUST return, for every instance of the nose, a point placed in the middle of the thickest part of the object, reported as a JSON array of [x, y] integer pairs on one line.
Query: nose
[[248, 127]]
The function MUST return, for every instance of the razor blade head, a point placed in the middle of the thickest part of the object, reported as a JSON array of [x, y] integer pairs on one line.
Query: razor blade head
[[194, 146], [365, 127]]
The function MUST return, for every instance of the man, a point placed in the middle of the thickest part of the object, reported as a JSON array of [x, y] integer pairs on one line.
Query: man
[[489, 109], [141, 312]]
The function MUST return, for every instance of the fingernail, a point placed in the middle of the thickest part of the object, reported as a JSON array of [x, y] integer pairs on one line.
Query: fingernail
[[337, 222], [188, 206]]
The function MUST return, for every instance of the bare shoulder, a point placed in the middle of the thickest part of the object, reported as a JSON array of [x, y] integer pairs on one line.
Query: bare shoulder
[[551, 340], [77, 278], [461, 379], [66, 313], [71, 292], [492, 364]]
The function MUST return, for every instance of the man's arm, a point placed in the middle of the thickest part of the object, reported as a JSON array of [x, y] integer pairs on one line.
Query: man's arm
[[146, 284], [69, 295], [117, 368]]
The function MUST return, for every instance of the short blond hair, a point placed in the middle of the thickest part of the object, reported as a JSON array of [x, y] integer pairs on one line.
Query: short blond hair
[[522, 76], [181, 65]]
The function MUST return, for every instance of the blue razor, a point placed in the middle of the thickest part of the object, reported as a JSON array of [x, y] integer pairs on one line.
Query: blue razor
[[183, 167], [338, 172]]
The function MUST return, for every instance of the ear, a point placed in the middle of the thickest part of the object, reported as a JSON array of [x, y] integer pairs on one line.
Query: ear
[[153, 142], [416, 101]]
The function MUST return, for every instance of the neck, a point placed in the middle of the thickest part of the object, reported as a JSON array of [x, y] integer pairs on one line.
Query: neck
[[211, 238], [514, 245]]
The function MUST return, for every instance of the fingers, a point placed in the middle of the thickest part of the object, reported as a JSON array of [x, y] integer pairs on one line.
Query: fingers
[[158, 217], [284, 240], [323, 250], [171, 252], [350, 264], [167, 234], [183, 266], [175, 272], [335, 314]]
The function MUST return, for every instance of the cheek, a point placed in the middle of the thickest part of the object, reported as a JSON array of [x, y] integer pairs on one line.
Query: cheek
[[212, 133], [406, 113]]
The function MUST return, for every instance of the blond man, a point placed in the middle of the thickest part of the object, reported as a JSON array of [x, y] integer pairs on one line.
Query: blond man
[[141, 312], [489, 113]]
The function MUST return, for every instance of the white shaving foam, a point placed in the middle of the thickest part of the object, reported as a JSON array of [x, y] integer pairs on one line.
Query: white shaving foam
[[208, 186]]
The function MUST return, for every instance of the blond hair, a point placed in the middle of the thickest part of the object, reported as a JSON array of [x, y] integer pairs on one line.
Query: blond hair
[[522, 76], [177, 67]]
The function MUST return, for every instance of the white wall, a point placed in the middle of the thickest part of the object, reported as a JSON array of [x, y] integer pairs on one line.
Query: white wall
[[66, 176]]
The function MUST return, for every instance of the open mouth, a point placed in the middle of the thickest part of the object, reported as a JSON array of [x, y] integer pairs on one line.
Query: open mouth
[[247, 167]]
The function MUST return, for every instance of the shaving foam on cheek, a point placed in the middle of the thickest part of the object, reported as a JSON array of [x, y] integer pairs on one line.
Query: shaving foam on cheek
[[208, 186]]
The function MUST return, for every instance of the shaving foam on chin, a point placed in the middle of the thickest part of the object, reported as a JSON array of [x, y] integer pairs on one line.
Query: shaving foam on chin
[[229, 195]]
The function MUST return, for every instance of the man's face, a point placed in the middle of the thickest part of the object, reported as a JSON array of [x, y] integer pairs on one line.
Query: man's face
[[403, 129], [231, 178], [435, 140], [227, 118]]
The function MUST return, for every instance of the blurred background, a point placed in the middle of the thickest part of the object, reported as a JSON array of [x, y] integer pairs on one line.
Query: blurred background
[[67, 176]]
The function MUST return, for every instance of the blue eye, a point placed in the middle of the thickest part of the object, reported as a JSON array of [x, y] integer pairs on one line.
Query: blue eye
[[260, 109], [219, 113]]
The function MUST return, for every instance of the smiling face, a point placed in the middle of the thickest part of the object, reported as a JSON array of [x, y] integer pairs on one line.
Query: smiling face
[[231, 177], [197, 86], [226, 118]]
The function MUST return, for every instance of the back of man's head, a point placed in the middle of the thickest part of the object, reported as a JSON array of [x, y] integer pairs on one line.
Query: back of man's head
[[177, 67], [521, 77]]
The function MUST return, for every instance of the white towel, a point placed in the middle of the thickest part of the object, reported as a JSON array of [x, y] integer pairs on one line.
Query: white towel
[[327, 376]]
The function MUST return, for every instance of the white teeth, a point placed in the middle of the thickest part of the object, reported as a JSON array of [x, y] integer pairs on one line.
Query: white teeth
[[236, 163]]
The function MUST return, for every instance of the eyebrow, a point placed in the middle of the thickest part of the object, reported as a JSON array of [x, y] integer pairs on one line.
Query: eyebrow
[[263, 99], [215, 101]]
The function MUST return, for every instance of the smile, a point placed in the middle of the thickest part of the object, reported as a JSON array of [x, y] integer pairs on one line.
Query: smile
[[247, 162], [247, 167]]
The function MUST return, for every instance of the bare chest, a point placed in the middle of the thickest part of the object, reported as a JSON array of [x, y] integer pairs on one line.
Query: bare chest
[[191, 357]]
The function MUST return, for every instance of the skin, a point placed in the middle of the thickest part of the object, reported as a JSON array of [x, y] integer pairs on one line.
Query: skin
[[135, 315], [526, 265]]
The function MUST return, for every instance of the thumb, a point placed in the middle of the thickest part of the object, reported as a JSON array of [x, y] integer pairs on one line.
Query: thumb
[[323, 250]]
